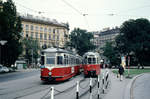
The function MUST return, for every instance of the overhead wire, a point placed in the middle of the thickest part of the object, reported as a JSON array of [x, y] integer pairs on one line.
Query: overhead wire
[[129, 10], [39, 12], [72, 7]]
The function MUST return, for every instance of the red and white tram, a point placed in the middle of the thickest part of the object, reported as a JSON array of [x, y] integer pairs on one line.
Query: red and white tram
[[91, 64], [59, 64]]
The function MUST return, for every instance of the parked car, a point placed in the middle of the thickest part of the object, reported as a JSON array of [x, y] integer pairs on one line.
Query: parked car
[[11, 69], [3, 69]]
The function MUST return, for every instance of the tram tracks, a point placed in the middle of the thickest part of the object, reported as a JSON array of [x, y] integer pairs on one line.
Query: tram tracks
[[35, 89]]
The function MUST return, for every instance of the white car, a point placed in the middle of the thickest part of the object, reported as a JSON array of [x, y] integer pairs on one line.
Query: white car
[[3, 69]]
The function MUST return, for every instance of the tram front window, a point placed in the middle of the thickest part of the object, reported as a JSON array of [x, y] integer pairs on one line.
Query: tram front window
[[94, 61], [89, 60], [50, 61]]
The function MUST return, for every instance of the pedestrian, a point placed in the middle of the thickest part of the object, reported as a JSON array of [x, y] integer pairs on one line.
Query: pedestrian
[[121, 71]]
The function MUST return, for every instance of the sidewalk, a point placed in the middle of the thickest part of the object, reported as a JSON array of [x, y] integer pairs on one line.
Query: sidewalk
[[135, 88], [117, 88]]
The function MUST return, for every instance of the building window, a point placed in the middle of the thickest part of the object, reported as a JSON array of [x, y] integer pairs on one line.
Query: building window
[[45, 36], [41, 29], [27, 34], [49, 37], [31, 28], [36, 35], [54, 31], [27, 27], [36, 28], [32, 33], [53, 37], [49, 30], [58, 38], [41, 36], [45, 30], [57, 31]]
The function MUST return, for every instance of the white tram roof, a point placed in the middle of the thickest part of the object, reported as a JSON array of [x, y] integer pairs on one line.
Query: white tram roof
[[91, 53], [55, 50]]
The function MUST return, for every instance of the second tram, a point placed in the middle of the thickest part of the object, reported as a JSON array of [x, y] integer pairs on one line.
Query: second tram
[[91, 64]]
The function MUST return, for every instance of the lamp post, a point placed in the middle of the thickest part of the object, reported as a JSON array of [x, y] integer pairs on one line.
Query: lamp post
[[2, 42]]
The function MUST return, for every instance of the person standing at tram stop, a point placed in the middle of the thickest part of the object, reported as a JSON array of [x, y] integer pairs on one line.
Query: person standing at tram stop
[[121, 71]]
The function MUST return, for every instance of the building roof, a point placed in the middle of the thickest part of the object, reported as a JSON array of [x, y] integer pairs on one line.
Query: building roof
[[110, 31], [42, 20]]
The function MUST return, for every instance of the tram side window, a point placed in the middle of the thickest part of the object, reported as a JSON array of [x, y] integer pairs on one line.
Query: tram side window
[[85, 60], [59, 60], [65, 59], [42, 60], [50, 60]]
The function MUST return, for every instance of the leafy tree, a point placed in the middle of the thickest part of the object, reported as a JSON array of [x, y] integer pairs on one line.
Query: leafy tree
[[10, 29], [135, 38], [31, 49], [81, 41], [111, 53]]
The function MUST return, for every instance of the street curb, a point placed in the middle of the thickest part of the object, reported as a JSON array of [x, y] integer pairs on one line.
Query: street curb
[[129, 88]]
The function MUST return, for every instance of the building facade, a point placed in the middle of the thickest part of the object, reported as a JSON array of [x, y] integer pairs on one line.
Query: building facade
[[48, 32], [108, 35]]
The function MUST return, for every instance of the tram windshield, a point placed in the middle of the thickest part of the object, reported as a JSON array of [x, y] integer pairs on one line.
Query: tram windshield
[[91, 60], [50, 60]]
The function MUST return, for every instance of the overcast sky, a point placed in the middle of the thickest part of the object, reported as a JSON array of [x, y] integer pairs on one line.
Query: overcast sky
[[99, 13]]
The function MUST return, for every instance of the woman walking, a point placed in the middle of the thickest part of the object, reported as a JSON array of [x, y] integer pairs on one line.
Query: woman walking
[[121, 71]]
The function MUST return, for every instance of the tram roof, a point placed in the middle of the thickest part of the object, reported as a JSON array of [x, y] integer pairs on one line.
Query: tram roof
[[91, 53], [56, 50]]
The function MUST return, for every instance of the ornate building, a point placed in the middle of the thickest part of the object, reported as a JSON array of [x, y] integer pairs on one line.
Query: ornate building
[[47, 32]]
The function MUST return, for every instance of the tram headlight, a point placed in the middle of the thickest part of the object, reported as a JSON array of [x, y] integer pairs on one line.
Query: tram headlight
[[50, 73]]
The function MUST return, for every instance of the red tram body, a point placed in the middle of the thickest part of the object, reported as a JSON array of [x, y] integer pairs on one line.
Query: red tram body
[[91, 64], [59, 65]]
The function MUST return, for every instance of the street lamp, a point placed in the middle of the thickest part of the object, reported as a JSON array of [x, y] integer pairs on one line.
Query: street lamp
[[2, 42]]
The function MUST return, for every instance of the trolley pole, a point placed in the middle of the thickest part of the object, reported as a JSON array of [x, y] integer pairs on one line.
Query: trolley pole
[[52, 93], [77, 91]]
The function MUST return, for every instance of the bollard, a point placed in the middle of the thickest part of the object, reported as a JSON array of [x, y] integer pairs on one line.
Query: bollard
[[98, 87], [52, 92], [90, 85], [103, 84], [77, 92], [106, 80]]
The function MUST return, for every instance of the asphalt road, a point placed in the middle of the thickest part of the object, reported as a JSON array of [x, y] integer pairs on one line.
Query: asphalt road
[[141, 87], [18, 75], [27, 85]]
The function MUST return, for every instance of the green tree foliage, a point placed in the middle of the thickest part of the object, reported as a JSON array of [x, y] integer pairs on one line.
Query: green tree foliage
[[31, 49], [111, 53], [135, 38], [81, 41], [10, 29]]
